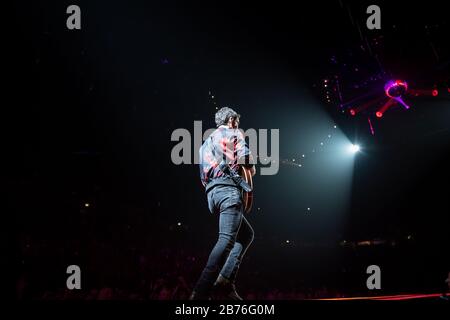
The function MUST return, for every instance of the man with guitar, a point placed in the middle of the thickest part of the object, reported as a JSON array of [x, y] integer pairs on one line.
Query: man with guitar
[[226, 170]]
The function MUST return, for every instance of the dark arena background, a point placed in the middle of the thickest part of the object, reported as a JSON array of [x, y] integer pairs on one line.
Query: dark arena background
[[362, 156]]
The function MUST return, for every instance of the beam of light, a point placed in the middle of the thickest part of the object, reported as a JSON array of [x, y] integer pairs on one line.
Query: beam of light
[[371, 127], [362, 107], [384, 108], [423, 92], [320, 180], [400, 100]]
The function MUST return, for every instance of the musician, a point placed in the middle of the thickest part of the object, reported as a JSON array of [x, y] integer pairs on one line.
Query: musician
[[225, 144]]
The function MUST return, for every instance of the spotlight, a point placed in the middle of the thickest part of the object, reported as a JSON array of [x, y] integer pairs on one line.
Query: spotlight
[[353, 148], [435, 93]]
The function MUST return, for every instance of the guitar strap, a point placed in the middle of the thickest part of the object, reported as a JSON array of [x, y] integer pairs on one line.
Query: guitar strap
[[227, 170]]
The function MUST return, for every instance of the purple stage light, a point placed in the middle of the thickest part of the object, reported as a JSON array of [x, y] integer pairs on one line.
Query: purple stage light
[[400, 100], [395, 89]]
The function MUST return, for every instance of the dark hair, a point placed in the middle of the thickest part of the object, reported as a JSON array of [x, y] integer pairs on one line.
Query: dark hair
[[224, 114]]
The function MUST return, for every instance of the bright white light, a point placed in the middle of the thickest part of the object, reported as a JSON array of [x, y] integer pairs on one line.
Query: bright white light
[[353, 148]]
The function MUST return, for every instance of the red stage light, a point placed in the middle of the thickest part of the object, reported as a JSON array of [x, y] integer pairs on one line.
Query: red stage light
[[379, 114], [352, 112], [435, 93]]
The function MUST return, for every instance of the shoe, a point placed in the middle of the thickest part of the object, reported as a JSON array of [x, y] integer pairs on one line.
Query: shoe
[[224, 289]]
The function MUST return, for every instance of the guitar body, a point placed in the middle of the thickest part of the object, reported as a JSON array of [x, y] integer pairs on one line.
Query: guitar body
[[247, 197]]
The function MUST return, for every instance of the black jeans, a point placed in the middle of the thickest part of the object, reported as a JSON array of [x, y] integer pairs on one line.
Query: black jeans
[[235, 236]]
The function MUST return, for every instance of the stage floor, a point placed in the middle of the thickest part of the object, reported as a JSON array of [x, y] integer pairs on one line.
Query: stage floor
[[391, 297]]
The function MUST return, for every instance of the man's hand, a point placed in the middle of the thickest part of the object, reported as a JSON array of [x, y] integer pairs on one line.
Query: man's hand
[[253, 170]]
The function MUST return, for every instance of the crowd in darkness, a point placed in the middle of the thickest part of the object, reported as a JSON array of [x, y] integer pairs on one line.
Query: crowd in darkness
[[140, 252], [166, 270], [166, 274]]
